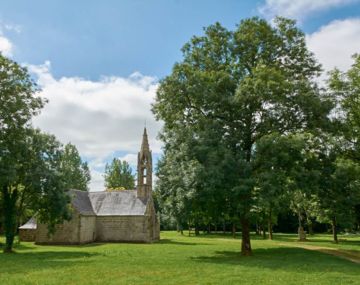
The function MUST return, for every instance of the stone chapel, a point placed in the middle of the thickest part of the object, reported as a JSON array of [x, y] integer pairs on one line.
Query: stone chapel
[[107, 216]]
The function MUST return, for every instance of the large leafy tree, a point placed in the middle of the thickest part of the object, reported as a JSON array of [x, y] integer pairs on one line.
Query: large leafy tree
[[244, 84], [344, 88], [28, 160], [339, 187], [118, 175], [76, 171], [277, 158]]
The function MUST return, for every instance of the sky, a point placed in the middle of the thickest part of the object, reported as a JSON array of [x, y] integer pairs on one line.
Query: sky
[[99, 62]]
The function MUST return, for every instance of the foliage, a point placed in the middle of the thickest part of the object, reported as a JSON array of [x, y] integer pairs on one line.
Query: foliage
[[231, 89], [119, 174], [30, 173], [76, 172], [116, 189]]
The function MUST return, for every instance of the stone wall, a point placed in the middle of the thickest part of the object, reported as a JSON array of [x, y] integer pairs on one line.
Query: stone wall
[[27, 234], [87, 229], [66, 233], [123, 228]]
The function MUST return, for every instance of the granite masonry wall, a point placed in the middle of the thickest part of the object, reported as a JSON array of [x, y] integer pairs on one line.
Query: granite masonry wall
[[87, 229], [123, 228], [27, 234], [66, 233]]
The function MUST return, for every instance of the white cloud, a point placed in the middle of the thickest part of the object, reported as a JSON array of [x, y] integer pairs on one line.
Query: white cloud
[[99, 117], [97, 180], [6, 46], [335, 43], [130, 158], [299, 9]]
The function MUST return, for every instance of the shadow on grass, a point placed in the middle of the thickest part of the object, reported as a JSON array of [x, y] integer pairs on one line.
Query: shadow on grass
[[286, 259], [316, 239], [281, 237], [22, 262], [171, 241]]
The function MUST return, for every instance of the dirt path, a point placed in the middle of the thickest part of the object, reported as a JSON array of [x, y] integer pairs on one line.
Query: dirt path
[[353, 256]]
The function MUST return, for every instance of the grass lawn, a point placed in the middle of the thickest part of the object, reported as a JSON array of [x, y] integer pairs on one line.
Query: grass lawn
[[207, 259]]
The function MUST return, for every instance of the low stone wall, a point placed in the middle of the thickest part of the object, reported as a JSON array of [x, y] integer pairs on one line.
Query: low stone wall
[[123, 228], [87, 229], [27, 234], [66, 233]]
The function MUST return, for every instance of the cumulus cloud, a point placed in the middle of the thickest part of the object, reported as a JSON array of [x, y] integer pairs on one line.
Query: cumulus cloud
[[100, 117], [130, 158], [335, 43], [299, 9], [5, 46]]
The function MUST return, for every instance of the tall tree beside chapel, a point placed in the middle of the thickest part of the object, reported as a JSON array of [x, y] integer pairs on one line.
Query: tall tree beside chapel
[[29, 160], [239, 85]]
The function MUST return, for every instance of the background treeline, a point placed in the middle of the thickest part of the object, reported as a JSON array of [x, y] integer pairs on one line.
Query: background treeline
[[253, 140], [36, 170]]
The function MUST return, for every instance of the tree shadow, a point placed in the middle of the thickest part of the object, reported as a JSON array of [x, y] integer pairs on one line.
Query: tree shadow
[[171, 241], [23, 262], [283, 258], [314, 239]]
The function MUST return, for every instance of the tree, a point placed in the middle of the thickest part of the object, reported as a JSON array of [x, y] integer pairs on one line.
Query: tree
[[18, 105], [244, 84], [339, 190], [29, 160], [276, 159], [344, 87], [118, 174], [76, 171]]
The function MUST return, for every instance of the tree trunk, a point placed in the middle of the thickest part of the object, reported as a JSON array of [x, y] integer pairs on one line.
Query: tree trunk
[[234, 230], [209, 229], [301, 232], [263, 232], [270, 230], [334, 230], [224, 228], [245, 234], [310, 227], [9, 201], [270, 225], [216, 228], [197, 231]]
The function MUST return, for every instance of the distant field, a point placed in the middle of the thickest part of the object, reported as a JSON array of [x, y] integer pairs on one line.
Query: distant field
[[207, 259]]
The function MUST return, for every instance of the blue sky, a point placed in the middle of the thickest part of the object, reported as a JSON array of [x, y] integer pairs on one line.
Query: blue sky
[[99, 62]]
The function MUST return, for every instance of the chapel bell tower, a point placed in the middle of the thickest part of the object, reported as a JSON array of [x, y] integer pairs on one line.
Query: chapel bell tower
[[144, 169]]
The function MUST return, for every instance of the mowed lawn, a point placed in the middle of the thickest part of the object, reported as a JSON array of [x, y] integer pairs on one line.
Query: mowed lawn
[[207, 259]]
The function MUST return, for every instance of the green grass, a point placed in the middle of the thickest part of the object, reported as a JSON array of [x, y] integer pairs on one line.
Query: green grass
[[208, 259]]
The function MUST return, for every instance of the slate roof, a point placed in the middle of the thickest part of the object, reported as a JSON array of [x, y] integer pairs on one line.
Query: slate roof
[[113, 203], [117, 203], [81, 202], [29, 225], [108, 203]]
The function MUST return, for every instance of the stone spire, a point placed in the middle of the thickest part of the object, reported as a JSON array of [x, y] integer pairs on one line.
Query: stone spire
[[145, 142], [144, 169]]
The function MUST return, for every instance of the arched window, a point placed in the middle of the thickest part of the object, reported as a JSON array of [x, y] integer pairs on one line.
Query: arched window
[[144, 176]]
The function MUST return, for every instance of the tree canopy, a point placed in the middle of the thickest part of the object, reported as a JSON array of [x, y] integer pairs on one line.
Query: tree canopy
[[34, 171], [231, 90], [118, 175]]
